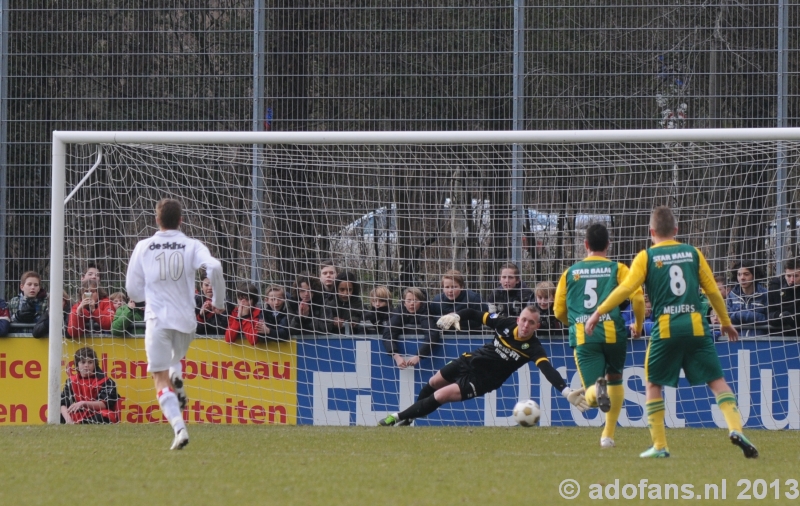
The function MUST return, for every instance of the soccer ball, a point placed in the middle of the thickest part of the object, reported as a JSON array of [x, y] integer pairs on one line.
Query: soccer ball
[[526, 413]]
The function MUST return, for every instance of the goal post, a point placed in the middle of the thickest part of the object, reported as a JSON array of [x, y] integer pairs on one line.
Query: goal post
[[398, 209]]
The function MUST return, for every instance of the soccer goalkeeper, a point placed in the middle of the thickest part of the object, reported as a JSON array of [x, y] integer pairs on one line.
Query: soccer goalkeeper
[[601, 356], [487, 368]]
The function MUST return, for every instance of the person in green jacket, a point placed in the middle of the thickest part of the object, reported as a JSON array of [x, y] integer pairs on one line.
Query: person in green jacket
[[126, 315]]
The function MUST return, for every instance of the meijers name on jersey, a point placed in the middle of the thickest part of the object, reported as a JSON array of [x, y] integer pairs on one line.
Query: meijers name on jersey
[[679, 309], [167, 245]]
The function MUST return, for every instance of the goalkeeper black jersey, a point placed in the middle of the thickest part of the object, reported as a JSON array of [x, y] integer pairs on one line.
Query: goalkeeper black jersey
[[506, 353]]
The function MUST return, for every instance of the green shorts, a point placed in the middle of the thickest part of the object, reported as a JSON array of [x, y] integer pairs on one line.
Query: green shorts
[[697, 356], [598, 359]]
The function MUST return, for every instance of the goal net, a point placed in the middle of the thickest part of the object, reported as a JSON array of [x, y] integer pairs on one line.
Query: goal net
[[397, 211]]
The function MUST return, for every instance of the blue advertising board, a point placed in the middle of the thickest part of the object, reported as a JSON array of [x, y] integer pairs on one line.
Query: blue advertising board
[[352, 381]]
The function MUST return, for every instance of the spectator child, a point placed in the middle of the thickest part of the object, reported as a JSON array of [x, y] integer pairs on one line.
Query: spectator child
[[243, 320], [327, 278], [306, 308], [126, 316], [93, 272], [5, 319], [628, 315], [380, 298], [30, 306], [347, 309], [42, 328], [511, 295], [85, 315], [276, 320], [411, 317], [748, 302], [543, 298], [210, 320], [455, 297], [89, 396]]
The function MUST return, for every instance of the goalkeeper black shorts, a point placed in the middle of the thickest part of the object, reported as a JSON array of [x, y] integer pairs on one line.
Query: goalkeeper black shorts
[[471, 381]]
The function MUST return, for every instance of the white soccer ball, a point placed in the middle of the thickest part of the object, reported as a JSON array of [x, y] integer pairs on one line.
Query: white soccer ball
[[526, 413]]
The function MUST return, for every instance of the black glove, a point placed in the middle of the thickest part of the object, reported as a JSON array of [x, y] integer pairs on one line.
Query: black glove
[[26, 312]]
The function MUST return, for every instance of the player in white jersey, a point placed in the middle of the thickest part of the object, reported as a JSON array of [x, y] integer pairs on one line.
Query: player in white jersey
[[162, 272]]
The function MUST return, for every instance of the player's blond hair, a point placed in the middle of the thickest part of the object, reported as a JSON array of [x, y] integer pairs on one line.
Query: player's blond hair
[[663, 222]]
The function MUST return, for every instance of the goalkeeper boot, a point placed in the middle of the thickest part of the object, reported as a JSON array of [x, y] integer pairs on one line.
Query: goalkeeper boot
[[607, 442], [403, 423], [181, 440], [742, 442], [180, 392], [603, 400], [652, 453], [390, 420]]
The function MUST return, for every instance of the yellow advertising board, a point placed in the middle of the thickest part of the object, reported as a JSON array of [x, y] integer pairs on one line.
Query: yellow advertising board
[[225, 383]]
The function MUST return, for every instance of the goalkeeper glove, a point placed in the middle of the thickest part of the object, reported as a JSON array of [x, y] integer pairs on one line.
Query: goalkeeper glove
[[449, 320], [576, 398]]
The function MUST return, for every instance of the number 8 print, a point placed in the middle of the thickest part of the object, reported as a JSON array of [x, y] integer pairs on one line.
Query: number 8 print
[[676, 282]]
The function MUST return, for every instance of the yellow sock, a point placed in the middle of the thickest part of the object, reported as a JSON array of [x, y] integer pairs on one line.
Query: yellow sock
[[655, 421], [616, 393], [591, 396], [727, 404]]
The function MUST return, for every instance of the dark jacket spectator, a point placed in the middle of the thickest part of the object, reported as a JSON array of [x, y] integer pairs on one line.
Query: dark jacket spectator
[[209, 321], [412, 318], [380, 300], [306, 309], [784, 299], [42, 328], [30, 306], [275, 314], [511, 295], [454, 298], [346, 308]]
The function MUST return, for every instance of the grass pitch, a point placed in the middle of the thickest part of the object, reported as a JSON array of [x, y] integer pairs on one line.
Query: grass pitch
[[131, 464]]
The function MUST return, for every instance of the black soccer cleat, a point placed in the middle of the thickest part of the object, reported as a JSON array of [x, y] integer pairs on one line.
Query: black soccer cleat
[[742, 442], [180, 392], [601, 389], [389, 421], [403, 423]]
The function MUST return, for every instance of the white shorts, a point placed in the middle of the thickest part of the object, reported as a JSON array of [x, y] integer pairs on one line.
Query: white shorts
[[165, 347]]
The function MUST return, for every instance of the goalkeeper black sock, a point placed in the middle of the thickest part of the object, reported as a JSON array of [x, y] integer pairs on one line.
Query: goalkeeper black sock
[[426, 392], [420, 408]]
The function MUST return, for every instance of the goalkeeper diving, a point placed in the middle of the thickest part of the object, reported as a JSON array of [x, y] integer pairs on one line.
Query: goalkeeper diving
[[487, 368]]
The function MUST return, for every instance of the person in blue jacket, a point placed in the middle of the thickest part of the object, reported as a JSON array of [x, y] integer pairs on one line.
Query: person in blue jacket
[[747, 302], [454, 298]]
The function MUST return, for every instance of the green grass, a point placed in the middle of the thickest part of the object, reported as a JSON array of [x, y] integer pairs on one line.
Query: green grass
[[130, 464]]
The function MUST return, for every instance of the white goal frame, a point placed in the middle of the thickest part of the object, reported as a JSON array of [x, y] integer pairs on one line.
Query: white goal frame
[[62, 138]]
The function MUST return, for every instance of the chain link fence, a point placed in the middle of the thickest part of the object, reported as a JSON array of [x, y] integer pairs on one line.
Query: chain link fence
[[112, 65]]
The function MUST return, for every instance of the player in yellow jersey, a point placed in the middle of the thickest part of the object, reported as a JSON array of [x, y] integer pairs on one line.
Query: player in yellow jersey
[[673, 274], [601, 356]]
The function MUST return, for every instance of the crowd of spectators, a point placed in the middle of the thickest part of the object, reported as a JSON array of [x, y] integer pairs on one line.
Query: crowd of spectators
[[332, 302]]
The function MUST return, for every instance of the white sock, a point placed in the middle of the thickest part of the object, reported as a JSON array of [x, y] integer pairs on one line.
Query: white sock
[[171, 409], [176, 370]]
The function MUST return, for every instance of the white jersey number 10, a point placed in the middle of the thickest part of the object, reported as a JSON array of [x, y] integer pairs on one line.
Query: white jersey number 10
[[175, 265]]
